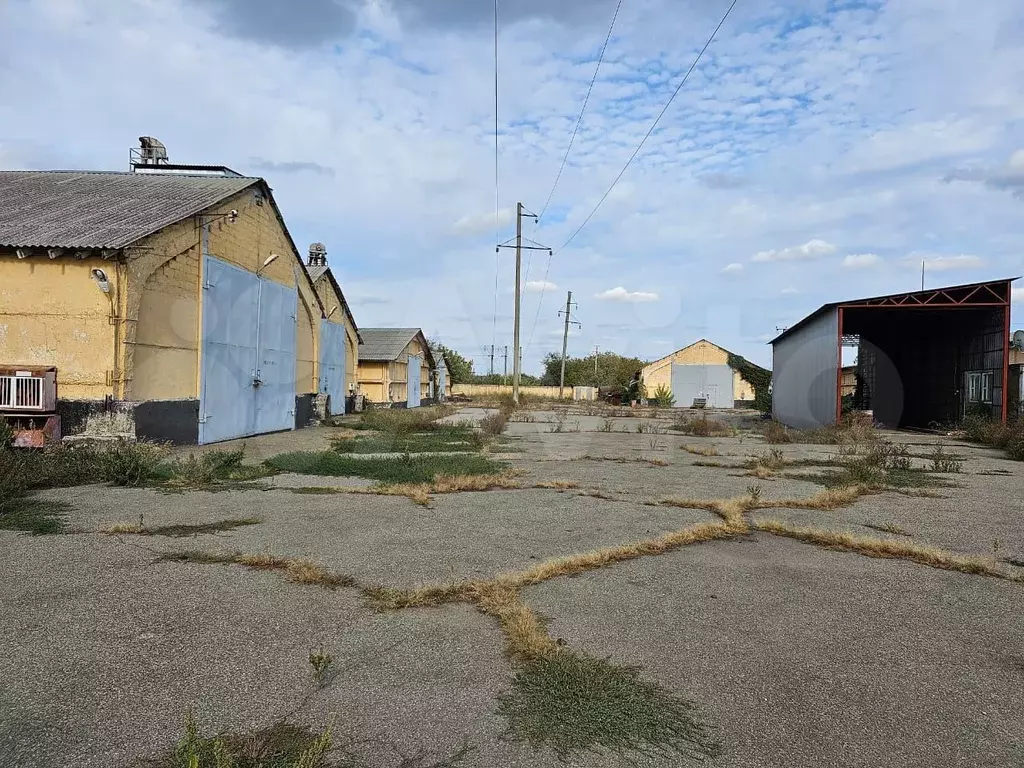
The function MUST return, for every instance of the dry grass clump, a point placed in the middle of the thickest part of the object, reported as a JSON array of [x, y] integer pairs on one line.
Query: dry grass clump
[[526, 636], [730, 510], [701, 426], [561, 485], [180, 530], [596, 494], [494, 424], [889, 549], [888, 528], [294, 569], [601, 558], [701, 450], [849, 430], [825, 501], [1009, 437]]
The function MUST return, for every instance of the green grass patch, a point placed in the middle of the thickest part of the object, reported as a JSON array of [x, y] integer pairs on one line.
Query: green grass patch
[[208, 471], [573, 703], [35, 516], [446, 439], [280, 745], [407, 468]]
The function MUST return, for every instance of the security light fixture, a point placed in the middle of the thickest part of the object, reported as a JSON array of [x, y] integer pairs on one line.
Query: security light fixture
[[101, 280], [233, 215], [21, 253]]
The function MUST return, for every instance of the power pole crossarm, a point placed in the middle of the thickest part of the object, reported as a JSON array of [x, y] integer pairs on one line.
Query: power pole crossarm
[[517, 352]]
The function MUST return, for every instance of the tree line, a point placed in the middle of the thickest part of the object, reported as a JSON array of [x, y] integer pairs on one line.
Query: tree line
[[606, 369]]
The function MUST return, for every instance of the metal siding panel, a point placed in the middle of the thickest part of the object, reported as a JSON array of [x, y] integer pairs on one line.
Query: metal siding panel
[[332, 364], [227, 407], [804, 366], [711, 381], [275, 397], [412, 388]]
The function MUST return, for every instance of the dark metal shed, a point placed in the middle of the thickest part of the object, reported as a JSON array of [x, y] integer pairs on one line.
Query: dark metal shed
[[924, 358]]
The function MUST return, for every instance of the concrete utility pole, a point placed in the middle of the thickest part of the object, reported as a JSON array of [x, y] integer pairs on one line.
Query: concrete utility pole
[[517, 353], [596, 350], [489, 351], [565, 341]]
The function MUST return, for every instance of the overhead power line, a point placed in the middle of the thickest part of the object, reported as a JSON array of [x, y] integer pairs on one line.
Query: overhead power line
[[497, 228], [654, 125], [565, 159], [579, 120], [632, 157]]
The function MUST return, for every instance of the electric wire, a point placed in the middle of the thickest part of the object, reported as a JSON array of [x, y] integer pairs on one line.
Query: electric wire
[[632, 157]]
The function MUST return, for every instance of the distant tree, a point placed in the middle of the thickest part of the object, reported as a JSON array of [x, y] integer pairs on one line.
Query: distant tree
[[496, 378], [459, 368], [613, 370]]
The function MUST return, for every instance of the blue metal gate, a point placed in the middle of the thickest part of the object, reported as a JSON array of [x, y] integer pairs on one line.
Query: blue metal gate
[[413, 382], [247, 375], [275, 394], [713, 382], [332, 364]]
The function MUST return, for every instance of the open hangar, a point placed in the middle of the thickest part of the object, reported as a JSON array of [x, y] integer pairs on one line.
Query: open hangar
[[924, 358]]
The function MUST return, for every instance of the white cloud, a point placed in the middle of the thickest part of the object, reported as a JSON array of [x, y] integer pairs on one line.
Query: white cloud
[[733, 268], [937, 262], [789, 291], [809, 250], [1017, 295], [475, 224], [621, 294], [861, 260], [538, 286]]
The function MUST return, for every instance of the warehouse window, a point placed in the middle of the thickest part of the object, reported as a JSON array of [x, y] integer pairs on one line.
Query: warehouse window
[[979, 387]]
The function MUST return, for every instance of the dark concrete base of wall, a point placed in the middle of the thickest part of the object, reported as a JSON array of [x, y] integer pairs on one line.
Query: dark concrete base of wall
[[743, 404], [164, 421], [168, 421], [305, 414]]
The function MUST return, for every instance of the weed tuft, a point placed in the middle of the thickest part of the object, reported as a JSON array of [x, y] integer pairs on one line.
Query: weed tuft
[[180, 530], [320, 665], [701, 426], [701, 450], [944, 462], [296, 570], [888, 528], [573, 703]]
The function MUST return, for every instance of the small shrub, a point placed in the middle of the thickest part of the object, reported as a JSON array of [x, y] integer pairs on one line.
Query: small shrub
[[6, 434], [649, 428], [944, 462], [130, 464], [494, 424], [701, 426], [606, 425], [663, 397], [776, 433], [754, 492]]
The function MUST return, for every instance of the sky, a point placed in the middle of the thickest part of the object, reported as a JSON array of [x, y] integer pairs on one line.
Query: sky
[[819, 151]]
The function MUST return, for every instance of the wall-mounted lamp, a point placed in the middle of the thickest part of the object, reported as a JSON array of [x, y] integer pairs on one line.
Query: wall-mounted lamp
[[21, 253], [101, 280], [272, 257], [335, 309], [233, 216]]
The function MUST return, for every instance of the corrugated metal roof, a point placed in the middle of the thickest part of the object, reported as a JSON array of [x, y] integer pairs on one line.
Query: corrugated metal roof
[[384, 343], [90, 209], [315, 273], [908, 294]]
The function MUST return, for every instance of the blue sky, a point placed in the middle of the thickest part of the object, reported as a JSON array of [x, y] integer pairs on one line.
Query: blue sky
[[821, 150]]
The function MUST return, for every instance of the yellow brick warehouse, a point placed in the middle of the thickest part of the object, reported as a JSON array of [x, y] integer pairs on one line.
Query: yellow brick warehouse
[[141, 340]]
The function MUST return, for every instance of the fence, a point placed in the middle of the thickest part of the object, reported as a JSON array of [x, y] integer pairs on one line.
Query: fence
[[497, 390]]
